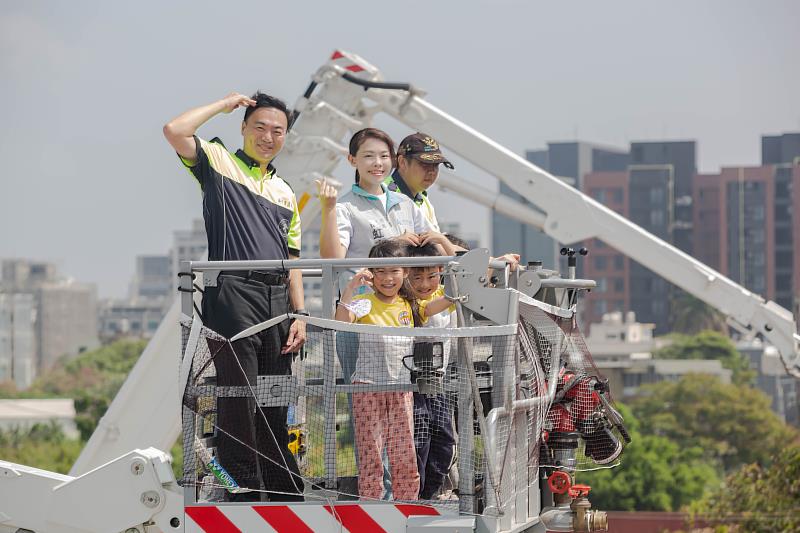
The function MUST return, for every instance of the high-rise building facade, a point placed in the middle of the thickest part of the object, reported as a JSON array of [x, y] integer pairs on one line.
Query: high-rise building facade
[[66, 320], [604, 264], [25, 275], [650, 206], [65, 310], [566, 160], [188, 245], [18, 338], [152, 280], [118, 319], [681, 158], [783, 151], [748, 225], [780, 149], [787, 234], [660, 200]]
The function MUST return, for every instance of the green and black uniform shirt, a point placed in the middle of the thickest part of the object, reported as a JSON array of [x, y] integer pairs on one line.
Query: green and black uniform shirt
[[395, 182], [247, 216]]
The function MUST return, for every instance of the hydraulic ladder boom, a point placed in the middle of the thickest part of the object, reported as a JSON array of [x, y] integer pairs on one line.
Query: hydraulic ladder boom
[[347, 92]]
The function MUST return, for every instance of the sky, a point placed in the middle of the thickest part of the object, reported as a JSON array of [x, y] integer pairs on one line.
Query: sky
[[89, 182]]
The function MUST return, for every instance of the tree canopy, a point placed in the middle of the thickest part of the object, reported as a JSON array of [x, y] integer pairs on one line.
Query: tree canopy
[[656, 474], [757, 499], [690, 315], [732, 424], [708, 345], [92, 379]]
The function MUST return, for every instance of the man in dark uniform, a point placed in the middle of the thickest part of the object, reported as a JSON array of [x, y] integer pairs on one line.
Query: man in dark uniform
[[418, 160], [250, 213]]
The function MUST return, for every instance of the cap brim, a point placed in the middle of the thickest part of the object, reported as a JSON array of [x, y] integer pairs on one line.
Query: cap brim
[[428, 157]]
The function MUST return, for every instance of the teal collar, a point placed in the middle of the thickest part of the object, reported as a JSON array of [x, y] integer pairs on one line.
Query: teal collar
[[392, 198]]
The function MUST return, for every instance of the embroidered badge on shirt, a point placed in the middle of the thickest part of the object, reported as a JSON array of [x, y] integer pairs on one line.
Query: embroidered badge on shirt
[[404, 317]]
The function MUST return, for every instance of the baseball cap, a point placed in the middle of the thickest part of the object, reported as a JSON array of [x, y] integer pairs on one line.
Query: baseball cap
[[424, 149]]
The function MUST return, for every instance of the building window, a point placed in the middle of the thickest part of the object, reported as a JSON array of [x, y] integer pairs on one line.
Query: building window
[[756, 236], [656, 196], [783, 236], [619, 285], [600, 262], [602, 285], [657, 218], [783, 259], [619, 262]]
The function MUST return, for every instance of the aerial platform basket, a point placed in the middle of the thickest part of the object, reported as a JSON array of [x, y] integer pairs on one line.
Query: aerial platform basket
[[497, 375]]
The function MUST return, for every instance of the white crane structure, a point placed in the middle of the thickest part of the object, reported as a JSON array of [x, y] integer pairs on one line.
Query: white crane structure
[[344, 96], [347, 92]]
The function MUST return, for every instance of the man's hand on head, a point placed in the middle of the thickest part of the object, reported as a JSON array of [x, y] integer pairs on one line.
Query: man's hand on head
[[236, 100]]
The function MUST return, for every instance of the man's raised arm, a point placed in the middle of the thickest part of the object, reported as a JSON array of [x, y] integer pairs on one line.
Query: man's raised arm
[[180, 130]]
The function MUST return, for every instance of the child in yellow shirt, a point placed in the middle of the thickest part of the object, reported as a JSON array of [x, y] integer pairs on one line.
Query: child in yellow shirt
[[384, 418]]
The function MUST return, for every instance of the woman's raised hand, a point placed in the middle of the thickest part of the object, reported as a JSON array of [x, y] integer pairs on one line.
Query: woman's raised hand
[[327, 193]]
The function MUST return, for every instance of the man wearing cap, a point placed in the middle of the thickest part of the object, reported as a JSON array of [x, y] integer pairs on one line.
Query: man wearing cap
[[418, 160]]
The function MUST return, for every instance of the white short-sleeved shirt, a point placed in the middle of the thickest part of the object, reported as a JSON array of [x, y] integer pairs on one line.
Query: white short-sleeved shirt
[[362, 221]]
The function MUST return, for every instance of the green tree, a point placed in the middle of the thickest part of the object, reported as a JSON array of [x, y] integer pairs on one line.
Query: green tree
[[43, 445], [733, 424], [92, 379], [655, 474], [709, 345], [690, 315], [757, 499]]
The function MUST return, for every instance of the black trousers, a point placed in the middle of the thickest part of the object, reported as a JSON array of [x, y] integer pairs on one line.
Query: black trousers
[[252, 442], [434, 440]]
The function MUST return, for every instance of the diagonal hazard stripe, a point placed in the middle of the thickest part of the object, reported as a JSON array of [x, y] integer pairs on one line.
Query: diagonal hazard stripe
[[354, 68], [411, 509], [211, 520], [336, 54], [355, 519], [282, 519]]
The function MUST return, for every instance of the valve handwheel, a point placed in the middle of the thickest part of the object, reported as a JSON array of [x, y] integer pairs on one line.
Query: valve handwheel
[[578, 491], [559, 482]]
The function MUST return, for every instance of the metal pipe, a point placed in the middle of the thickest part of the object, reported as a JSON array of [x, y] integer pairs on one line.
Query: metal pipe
[[552, 382], [564, 518], [335, 263], [561, 283]]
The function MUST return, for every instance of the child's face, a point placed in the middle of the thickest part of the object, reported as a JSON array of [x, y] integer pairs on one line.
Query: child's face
[[424, 281], [388, 280]]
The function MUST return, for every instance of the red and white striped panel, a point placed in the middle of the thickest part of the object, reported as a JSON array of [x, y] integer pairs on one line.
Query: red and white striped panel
[[348, 63], [303, 518]]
